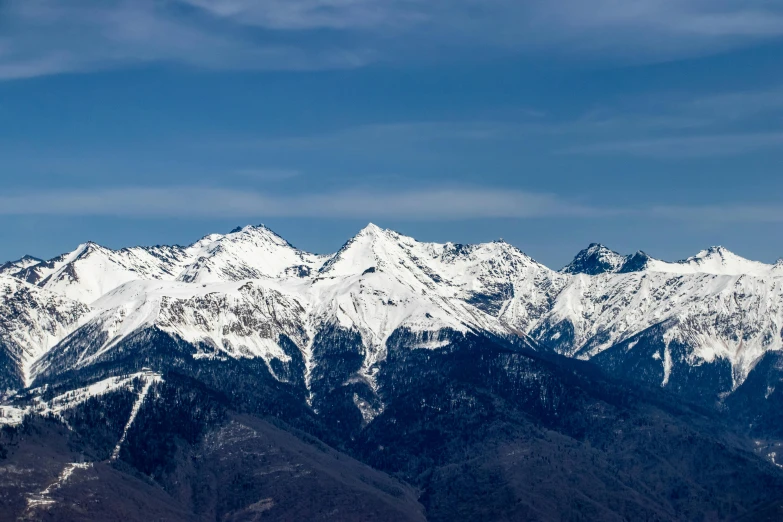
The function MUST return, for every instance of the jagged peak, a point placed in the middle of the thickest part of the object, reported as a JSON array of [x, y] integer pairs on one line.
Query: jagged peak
[[28, 257], [252, 228], [716, 260], [264, 232], [636, 262], [238, 233], [370, 228], [714, 251], [717, 253], [506, 248], [372, 232], [83, 250], [88, 245], [595, 259], [364, 240], [23, 262]]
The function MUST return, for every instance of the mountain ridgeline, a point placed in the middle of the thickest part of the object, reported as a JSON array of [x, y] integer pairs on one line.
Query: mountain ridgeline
[[240, 378]]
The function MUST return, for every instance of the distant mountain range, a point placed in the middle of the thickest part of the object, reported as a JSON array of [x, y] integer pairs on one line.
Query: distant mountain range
[[407, 356]]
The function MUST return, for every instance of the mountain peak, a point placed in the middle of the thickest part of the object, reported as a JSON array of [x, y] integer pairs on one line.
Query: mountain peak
[[17, 265], [358, 249], [250, 228], [373, 234], [370, 230], [84, 249], [716, 254], [595, 259], [636, 262], [720, 260], [248, 232], [715, 250]]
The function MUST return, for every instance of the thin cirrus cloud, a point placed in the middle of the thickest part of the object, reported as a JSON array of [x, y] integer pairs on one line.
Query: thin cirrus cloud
[[42, 37], [684, 147], [675, 126], [424, 205], [721, 214], [267, 174], [198, 202]]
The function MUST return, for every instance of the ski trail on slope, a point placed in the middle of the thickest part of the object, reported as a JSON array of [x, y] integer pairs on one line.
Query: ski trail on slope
[[43, 498], [135, 411]]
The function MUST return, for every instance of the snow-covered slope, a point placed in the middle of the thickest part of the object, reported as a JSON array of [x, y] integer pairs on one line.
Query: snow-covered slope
[[494, 278], [733, 317], [12, 267], [715, 260], [250, 293], [246, 253], [236, 319], [597, 259], [91, 270], [719, 310], [381, 281], [376, 284], [32, 321]]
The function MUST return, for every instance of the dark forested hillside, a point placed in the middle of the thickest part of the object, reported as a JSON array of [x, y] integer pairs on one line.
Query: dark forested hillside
[[480, 429]]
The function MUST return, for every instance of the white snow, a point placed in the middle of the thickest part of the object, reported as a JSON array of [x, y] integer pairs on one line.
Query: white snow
[[715, 260], [13, 267], [235, 294], [667, 365], [13, 415], [733, 317], [33, 320]]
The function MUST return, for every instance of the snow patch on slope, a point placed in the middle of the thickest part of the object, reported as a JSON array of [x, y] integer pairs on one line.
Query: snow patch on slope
[[43, 499]]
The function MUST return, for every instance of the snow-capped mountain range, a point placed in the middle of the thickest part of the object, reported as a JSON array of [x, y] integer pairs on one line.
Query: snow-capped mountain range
[[249, 294]]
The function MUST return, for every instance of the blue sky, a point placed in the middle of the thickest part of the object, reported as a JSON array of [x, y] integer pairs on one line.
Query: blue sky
[[653, 124]]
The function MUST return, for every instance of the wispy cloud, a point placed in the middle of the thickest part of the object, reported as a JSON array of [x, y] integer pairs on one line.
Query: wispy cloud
[[433, 204], [676, 125], [679, 128], [691, 146], [733, 106], [419, 205], [401, 133], [43, 37], [267, 174], [721, 214]]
